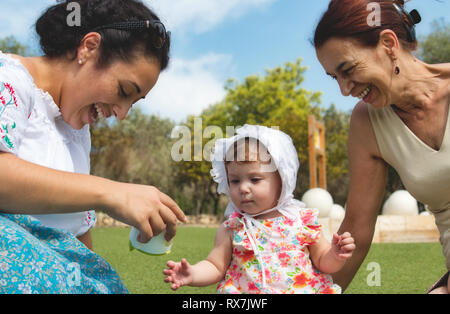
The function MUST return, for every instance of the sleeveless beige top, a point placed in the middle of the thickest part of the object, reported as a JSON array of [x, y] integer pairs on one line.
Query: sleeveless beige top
[[425, 172]]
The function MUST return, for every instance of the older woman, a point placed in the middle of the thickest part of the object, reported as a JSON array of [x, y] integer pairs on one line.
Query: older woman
[[47, 103], [402, 118]]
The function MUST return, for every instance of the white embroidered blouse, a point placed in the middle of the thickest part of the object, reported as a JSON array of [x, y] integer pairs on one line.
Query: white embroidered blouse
[[32, 128]]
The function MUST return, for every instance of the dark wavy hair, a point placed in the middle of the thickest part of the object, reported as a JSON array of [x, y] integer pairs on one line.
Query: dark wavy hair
[[58, 38]]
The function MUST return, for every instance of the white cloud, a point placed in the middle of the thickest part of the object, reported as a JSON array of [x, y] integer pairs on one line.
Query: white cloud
[[180, 15], [201, 15], [188, 86]]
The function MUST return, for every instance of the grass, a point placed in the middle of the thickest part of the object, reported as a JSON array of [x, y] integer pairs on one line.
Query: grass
[[405, 267]]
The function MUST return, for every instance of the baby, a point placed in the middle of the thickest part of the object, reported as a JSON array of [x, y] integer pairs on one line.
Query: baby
[[270, 242]]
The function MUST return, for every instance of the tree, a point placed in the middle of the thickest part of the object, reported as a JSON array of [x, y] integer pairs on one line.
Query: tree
[[337, 124], [435, 48], [11, 45], [275, 99], [135, 150]]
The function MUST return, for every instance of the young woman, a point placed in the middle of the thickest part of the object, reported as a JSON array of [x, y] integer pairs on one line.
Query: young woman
[[47, 197]]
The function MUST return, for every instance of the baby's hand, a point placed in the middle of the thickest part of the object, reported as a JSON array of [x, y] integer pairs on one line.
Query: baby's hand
[[179, 274], [343, 245]]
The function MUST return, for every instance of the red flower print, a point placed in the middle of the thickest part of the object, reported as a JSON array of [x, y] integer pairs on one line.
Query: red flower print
[[314, 232], [328, 290], [247, 256], [235, 215], [284, 259], [300, 281], [307, 217], [229, 282], [301, 239], [246, 244], [289, 222], [268, 223], [313, 282], [228, 286], [268, 274], [252, 287], [2, 100], [314, 227]]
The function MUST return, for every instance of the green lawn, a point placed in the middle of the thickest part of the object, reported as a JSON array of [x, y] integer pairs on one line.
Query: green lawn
[[404, 268]]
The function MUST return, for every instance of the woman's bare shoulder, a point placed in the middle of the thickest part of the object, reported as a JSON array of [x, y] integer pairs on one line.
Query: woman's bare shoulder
[[361, 133]]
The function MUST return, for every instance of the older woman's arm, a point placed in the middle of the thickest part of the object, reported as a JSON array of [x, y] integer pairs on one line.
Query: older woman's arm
[[368, 175]]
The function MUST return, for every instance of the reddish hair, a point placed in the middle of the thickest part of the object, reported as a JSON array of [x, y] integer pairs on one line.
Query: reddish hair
[[348, 19]]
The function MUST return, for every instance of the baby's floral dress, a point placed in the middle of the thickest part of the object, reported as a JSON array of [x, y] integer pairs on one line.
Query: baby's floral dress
[[282, 253]]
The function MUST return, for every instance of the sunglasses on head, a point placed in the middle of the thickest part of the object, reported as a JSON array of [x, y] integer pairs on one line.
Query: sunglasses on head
[[159, 35]]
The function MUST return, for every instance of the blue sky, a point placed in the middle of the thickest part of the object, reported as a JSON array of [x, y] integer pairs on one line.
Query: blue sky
[[213, 40]]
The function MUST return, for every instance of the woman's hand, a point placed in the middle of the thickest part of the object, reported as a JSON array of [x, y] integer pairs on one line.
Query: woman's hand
[[146, 208]]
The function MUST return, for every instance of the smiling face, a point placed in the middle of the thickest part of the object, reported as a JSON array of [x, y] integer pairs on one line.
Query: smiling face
[[362, 72], [92, 92]]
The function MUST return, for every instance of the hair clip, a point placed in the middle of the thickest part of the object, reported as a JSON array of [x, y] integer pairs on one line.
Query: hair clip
[[409, 21]]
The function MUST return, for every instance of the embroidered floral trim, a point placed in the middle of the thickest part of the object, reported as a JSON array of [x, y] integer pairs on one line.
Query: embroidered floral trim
[[7, 99], [12, 97], [4, 131], [90, 219]]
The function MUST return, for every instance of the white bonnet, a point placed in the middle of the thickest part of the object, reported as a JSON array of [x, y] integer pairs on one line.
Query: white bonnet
[[278, 144]]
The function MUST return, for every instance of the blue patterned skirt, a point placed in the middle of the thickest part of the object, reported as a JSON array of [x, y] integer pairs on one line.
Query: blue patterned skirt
[[38, 259]]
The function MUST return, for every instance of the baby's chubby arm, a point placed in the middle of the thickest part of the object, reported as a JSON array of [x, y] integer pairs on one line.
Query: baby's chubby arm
[[207, 272], [330, 258]]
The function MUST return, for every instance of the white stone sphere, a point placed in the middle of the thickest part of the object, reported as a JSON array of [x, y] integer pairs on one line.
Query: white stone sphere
[[320, 199], [401, 203], [337, 212]]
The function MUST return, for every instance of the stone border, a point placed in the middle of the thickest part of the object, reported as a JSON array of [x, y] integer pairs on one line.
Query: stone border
[[103, 220], [394, 229], [389, 229]]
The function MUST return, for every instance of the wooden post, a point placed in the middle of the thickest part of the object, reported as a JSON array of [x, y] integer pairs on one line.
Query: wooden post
[[316, 143]]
